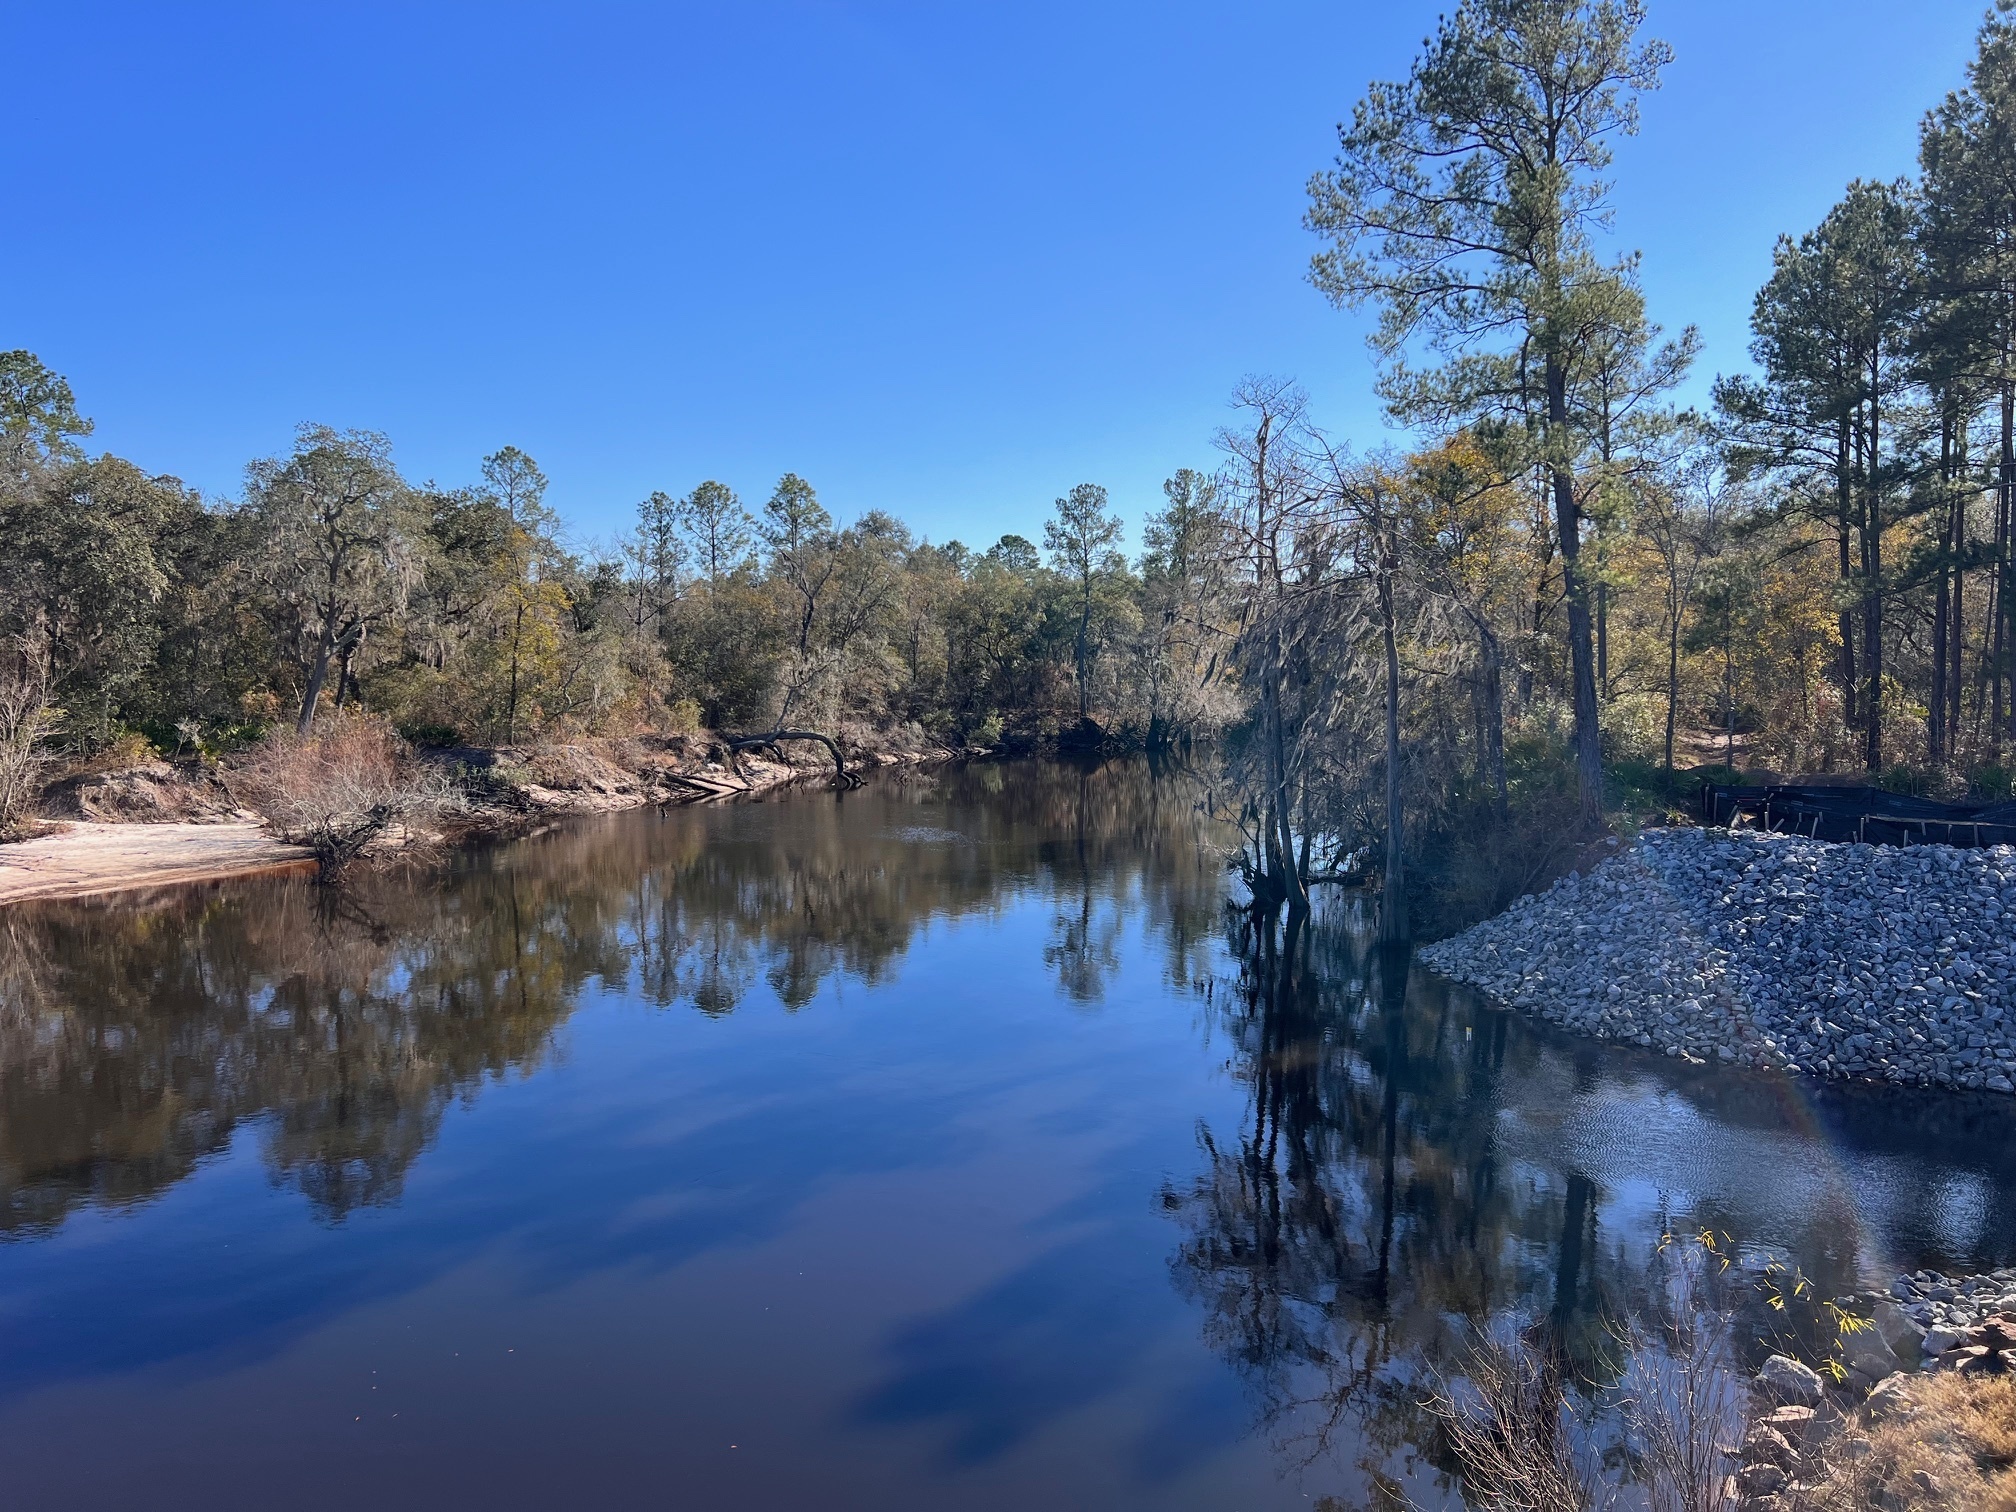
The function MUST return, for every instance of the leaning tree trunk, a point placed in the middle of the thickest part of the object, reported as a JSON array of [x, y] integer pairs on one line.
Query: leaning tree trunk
[[842, 778], [318, 674]]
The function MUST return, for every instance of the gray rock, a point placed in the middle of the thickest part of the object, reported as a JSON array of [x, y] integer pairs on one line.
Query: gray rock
[[1891, 1398], [1765, 1445], [1799, 1424], [1786, 1380], [1868, 1354], [1759, 1480], [1905, 1337], [1748, 948], [1939, 1340]]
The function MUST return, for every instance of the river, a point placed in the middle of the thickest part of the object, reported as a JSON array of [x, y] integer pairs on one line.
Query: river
[[945, 1144]]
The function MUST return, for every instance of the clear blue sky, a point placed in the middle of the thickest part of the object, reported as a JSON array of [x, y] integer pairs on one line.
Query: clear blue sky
[[946, 259]]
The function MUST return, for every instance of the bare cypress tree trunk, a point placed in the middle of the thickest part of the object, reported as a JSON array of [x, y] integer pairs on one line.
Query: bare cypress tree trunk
[[1393, 901], [2005, 519], [1872, 596], [1282, 840], [1992, 631], [1957, 636]]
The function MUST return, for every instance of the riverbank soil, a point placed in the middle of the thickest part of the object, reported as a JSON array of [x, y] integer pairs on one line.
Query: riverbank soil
[[161, 823], [1946, 1441]]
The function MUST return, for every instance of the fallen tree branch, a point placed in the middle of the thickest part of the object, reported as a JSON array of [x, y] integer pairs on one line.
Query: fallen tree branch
[[842, 778]]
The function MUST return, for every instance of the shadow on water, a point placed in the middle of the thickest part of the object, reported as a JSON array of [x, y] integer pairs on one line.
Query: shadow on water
[[1020, 974]]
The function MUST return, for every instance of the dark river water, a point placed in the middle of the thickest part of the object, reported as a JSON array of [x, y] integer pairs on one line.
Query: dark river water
[[943, 1146]]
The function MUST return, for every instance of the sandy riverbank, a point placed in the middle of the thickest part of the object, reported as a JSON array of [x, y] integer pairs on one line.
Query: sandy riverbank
[[90, 855], [87, 857]]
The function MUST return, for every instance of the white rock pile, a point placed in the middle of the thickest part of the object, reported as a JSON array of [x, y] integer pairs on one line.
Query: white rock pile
[[1882, 962]]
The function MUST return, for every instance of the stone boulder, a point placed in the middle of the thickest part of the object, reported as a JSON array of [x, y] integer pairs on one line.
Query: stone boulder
[[1784, 1379]]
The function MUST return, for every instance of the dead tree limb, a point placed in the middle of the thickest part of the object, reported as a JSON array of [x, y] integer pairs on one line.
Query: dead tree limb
[[842, 778]]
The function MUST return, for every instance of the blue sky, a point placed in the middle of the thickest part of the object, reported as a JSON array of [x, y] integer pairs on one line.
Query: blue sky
[[945, 259]]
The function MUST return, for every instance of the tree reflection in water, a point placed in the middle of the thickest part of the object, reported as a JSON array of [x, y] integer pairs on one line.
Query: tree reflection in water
[[1405, 1164], [1413, 1166], [136, 1039]]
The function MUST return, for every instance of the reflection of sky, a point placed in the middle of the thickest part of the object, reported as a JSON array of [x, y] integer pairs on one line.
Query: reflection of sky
[[1962, 1204], [903, 1247], [965, 1165], [1652, 1150]]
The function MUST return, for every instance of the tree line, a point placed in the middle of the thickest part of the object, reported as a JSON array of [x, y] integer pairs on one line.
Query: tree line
[[133, 608]]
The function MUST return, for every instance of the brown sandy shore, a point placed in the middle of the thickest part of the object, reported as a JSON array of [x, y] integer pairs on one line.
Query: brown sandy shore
[[86, 856]]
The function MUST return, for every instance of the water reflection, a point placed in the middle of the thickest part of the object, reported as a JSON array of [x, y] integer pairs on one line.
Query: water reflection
[[135, 1044], [957, 1073], [1413, 1165], [136, 1041]]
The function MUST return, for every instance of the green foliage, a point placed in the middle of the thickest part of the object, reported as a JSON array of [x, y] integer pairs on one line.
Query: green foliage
[[723, 643], [1914, 781], [85, 561], [461, 616], [430, 736], [39, 423], [1992, 781]]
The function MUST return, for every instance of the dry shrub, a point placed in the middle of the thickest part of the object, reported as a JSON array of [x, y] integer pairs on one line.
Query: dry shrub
[[1529, 1438], [26, 721], [1951, 1445], [126, 750], [1683, 1401], [580, 767], [340, 787], [1514, 1430]]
